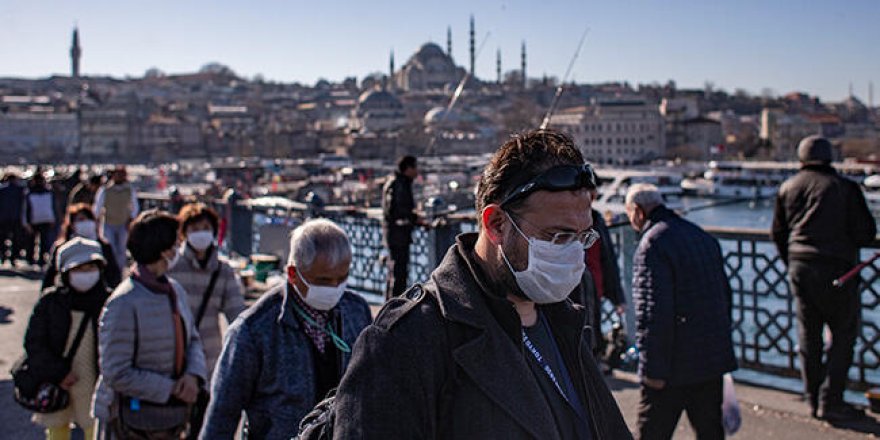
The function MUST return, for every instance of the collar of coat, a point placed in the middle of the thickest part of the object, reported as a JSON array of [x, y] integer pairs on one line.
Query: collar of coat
[[189, 256], [493, 357], [657, 215]]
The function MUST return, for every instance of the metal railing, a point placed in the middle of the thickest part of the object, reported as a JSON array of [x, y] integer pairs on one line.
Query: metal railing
[[764, 318]]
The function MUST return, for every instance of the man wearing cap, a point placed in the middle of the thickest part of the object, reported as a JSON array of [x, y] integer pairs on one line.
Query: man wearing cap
[[820, 222], [490, 347]]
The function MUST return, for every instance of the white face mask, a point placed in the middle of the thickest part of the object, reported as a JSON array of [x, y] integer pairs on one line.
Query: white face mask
[[86, 229], [321, 297], [173, 260], [83, 281], [200, 240], [553, 271]]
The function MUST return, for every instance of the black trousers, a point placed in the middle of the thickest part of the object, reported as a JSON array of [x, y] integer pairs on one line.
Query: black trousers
[[659, 410], [46, 233], [14, 233], [398, 270], [819, 304]]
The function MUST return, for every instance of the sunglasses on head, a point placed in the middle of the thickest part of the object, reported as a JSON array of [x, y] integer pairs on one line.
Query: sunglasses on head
[[558, 178]]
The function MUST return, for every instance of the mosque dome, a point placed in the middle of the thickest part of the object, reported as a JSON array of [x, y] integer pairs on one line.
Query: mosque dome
[[378, 100]]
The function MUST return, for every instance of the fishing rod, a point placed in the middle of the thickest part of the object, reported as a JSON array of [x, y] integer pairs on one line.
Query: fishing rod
[[561, 86], [455, 96], [854, 271]]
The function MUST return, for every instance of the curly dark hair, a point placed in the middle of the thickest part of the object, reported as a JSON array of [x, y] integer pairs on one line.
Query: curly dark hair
[[520, 159]]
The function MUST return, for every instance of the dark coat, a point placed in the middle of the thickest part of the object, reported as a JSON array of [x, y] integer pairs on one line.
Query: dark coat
[[683, 302], [398, 211], [12, 199], [265, 368], [49, 328], [610, 271], [447, 362], [821, 214]]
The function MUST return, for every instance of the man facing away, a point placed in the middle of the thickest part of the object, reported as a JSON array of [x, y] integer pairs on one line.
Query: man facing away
[[489, 347], [682, 301], [289, 349], [116, 205], [820, 221], [398, 220]]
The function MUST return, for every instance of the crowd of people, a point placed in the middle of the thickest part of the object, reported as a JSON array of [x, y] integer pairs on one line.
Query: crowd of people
[[498, 342]]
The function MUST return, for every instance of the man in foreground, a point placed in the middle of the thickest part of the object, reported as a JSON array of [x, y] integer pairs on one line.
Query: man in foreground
[[490, 347]]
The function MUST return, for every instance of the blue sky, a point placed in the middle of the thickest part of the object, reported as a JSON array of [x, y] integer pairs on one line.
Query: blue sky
[[814, 46]]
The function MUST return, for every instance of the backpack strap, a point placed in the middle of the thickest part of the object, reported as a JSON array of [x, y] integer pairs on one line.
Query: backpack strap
[[207, 296], [80, 332]]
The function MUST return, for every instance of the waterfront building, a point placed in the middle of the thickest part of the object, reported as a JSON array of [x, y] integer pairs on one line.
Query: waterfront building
[[42, 135], [615, 131]]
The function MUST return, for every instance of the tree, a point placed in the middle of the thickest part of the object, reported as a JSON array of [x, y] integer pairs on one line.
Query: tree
[[217, 68]]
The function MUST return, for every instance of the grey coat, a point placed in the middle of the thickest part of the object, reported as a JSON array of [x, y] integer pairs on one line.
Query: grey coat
[[227, 297], [136, 316], [266, 367]]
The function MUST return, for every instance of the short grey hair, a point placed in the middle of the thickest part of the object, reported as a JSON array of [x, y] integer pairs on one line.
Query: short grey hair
[[314, 236], [644, 195]]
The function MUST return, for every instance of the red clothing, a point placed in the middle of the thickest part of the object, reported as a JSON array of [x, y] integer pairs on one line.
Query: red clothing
[[594, 264]]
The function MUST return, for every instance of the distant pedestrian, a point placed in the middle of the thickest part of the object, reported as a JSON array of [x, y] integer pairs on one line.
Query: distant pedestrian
[[683, 304], [398, 220], [85, 191], [80, 222], [211, 284], [116, 205], [151, 358], [820, 222], [12, 233], [602, 267], [289, 349], [74, 304], [39, 219], [490, 347]]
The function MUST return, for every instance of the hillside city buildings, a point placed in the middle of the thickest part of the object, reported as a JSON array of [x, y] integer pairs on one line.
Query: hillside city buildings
[[215, 113]]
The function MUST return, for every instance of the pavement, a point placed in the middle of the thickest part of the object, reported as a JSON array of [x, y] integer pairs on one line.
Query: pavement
[[766, 413]]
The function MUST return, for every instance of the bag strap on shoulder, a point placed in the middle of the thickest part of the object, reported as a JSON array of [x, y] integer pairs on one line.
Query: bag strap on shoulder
[[207, 296], [80, 332]]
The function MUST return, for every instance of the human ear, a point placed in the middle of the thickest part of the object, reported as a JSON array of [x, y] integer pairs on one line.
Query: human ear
[[494, 222]]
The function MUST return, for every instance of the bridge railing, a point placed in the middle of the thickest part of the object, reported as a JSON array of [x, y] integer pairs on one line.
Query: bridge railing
[[764, 318]]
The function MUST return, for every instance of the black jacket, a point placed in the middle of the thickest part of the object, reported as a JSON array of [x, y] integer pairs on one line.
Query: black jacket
[[398, 211], [683, 301], [50, 325], [447, 362], [820, 214]]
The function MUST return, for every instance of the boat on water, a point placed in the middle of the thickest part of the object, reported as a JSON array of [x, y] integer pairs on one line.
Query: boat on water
[[872, 193], [614, 183], [737, 180]]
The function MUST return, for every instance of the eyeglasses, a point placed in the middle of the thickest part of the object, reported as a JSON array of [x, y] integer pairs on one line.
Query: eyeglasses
[[558, 178], [586, 238]]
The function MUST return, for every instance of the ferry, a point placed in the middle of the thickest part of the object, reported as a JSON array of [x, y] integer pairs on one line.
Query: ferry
[[614, 183], [740, 179]]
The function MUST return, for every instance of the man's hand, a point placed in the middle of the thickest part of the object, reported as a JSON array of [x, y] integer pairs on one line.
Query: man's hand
[[68, 381], [28, 229], [187, 389], [620, 309], [657, 384]]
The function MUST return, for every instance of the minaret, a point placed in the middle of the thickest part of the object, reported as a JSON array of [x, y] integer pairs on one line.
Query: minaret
[[523, 61], [449, 41], [391, 65], [75, 53], [473, 44], [850, 90], [498, 65]]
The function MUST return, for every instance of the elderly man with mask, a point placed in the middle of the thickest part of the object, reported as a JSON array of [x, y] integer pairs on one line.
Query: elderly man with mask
[[284, 354], [683, 304], [490, 347]]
